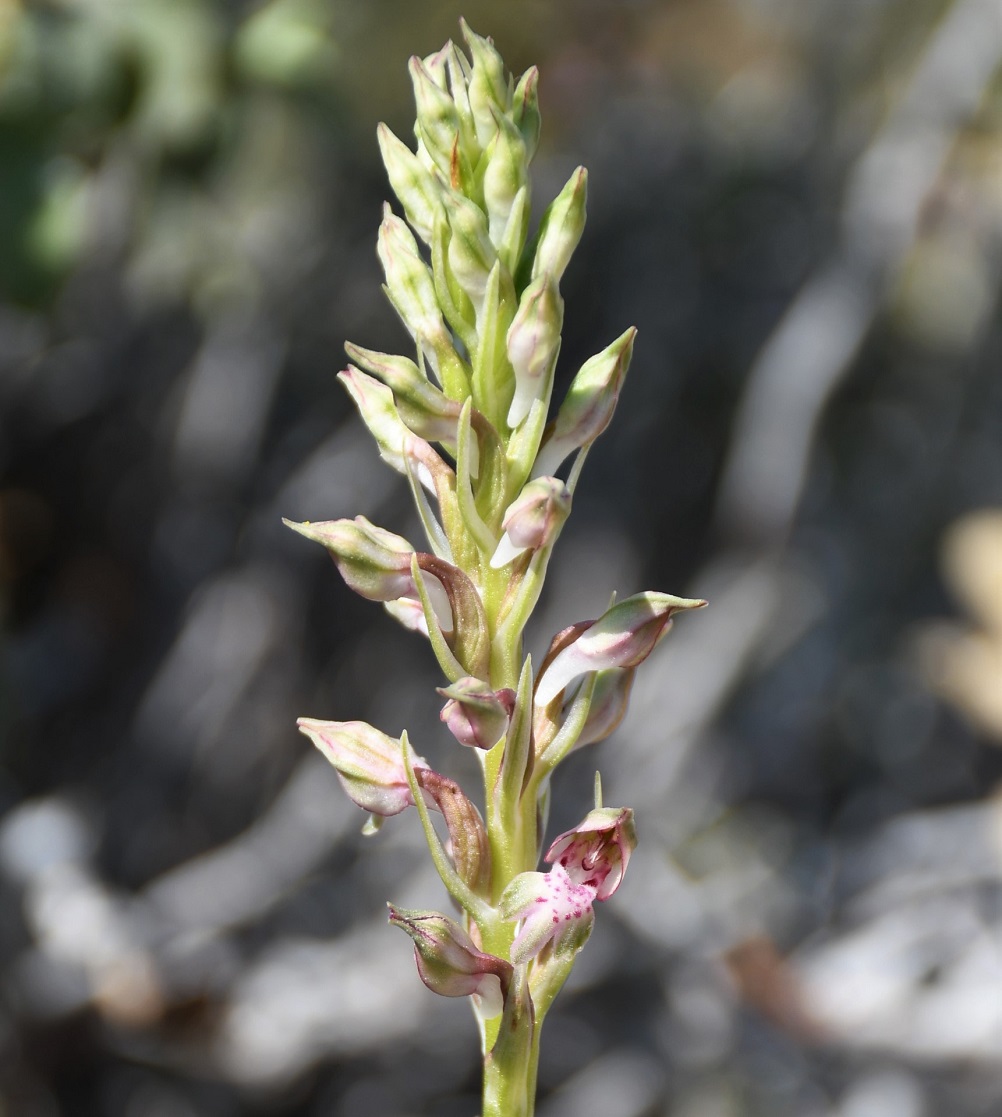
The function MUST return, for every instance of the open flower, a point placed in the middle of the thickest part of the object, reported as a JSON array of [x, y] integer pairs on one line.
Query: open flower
[[588, 865]]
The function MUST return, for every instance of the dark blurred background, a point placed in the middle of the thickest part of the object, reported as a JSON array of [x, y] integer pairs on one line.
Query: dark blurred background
[[799, 204]]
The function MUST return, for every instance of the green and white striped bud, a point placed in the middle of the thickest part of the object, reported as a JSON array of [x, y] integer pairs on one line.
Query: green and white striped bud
[[533, 519], [398, 445], [561, 227], [409, 283], [505, 175], [525, 110], [588, 407], [418, 189], [471, 253], [488, 85], [533, 342], [424, 409], [439, 126]]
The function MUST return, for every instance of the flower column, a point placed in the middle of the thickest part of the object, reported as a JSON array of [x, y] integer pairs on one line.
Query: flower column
[[466, 422]]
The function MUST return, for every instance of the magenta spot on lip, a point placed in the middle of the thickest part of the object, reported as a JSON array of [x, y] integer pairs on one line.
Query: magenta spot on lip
[[556, 919]]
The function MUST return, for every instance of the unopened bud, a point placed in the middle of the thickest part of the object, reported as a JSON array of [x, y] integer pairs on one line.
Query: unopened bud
[[398, 445], [368, 763], [423, 408], [374, 562], [450, 964], [624, 636], [471, 253], [475, 714], [505, 174], [419, 191], [533, 342], [525, 110], [409, 283], [533, 519], [438, 124], [561, 227], [488, 84], [588, 407]]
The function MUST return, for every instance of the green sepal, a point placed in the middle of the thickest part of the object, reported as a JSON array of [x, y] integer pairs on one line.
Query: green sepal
[[451, 667], [570, 729], [493, 378], [525, 110], [512, 242], [452, 299], [516, 763], [434, 533], [484, 538], [457, 888]]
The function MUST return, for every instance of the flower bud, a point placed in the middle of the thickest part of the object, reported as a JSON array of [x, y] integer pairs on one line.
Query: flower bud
[[419, 191], [505, 174], [589, 404], [409, 283], [525, 110], [374, 562], [438, 124], [398, 445], [471, 253], [561, 227], [475, 714], [624, 636], [488, 84], [423, 408], [533, 341], [449, 963], [533, 519], [368, 763], [596, 852]]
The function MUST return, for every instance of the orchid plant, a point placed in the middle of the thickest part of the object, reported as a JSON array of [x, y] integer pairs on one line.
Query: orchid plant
[[482, 302]]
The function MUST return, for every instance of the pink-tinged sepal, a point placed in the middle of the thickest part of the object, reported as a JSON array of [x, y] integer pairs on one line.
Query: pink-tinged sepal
[[450, 964], [533, 520], [609, 702], [624, 636], [470, 639], [532, 343], [475, 714], [368, 764], [552, 909], [596, 852]]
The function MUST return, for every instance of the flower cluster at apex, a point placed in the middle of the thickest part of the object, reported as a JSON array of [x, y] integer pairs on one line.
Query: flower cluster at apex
[[467, 423]]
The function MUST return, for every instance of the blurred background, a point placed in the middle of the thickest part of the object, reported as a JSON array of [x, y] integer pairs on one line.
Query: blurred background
[[799, 204]]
